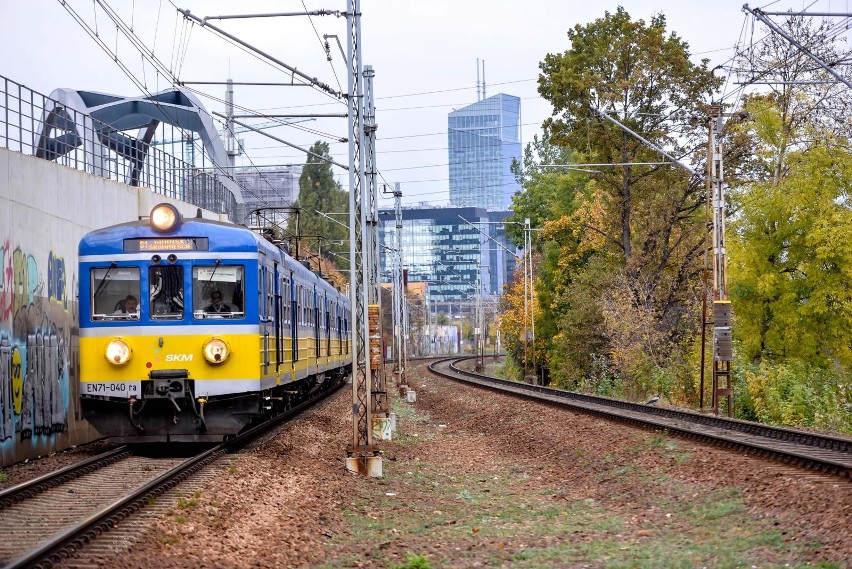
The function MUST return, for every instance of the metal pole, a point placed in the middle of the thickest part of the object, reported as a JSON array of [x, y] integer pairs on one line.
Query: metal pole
[[361, 455], [379, 389], [705, 274], [647, 143], [759, 14], [293, 71], [230, 139], [397, 285], [722, 346], [526, 295], [528, 251]]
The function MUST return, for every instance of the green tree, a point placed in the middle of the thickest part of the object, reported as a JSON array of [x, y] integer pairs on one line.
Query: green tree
[[626, 241], [791, 258], [318, 191], [789, 246]]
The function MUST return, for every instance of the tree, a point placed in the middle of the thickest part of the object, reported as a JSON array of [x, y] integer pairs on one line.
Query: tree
[[626, 241], [318, 191], [792, 256]]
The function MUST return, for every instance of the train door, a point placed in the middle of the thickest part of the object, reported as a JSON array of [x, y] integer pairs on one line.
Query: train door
[[263, 309], [327, 326], [346, 330], [294, 320], [337, 310], [316, 315], [286, 317], [277, 315]]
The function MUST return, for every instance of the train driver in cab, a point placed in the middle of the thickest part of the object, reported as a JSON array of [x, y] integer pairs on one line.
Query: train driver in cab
[[216, 305], [129, 307]]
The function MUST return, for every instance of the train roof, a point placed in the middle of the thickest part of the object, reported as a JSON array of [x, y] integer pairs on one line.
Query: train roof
[[222, 236]]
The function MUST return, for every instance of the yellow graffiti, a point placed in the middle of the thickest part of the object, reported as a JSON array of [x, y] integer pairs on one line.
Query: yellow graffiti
[[17, 381]]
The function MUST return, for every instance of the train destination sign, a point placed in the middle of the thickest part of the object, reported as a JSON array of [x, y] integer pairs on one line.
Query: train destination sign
[[147, 245]]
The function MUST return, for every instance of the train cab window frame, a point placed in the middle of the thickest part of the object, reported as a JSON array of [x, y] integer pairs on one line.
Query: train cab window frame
[[166, 294], [111, 289], [226, 280]]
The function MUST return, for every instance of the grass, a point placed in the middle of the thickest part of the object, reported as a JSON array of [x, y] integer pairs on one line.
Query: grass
[[169, 539], [185, 504], [3, 476], [414, 562], [641, 515], [532, 529]]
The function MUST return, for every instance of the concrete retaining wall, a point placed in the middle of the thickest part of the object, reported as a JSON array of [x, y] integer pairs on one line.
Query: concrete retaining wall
[[44, 211]]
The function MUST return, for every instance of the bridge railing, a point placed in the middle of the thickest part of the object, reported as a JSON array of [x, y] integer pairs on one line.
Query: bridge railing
[[34, 124]]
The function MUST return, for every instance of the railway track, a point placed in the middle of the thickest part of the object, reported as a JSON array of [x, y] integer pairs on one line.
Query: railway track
[[49, 519], [824, 453]]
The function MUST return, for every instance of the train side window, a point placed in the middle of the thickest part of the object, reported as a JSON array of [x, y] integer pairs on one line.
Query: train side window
[[110, 287], [218, 291], [165, 296]]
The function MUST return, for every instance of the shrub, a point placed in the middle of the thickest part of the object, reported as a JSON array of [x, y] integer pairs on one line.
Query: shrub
[[794, 393]]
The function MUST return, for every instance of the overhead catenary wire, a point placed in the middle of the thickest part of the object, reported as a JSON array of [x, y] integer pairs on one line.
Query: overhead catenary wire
[[120, 26]]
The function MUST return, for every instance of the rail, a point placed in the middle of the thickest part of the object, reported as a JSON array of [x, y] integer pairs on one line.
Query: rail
[[60, 547], [826, 453]]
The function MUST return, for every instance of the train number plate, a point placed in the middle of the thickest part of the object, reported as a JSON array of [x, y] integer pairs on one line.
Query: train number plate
[[112, 388]]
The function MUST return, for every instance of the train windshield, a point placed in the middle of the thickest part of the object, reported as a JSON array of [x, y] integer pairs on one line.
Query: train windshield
[[166, 292], [115, 293], [217, 291]]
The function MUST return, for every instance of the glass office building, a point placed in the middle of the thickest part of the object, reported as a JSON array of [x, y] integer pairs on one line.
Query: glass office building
[[483, 138], [440, 248]]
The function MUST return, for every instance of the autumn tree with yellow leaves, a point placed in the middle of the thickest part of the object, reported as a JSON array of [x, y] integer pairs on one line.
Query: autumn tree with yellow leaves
[[621, 246]]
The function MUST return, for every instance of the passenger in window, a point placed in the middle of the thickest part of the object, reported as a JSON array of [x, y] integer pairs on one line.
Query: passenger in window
[[216, 305], [129, 306]]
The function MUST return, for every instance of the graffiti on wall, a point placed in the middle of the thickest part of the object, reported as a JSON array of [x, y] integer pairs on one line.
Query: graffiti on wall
[[35, 332]]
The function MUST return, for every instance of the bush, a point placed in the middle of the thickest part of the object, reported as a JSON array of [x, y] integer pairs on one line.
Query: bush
[[794, 393]]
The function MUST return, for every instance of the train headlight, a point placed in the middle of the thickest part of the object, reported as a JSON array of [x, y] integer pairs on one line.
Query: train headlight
[[165, 217], [216, 350], [118, 352]]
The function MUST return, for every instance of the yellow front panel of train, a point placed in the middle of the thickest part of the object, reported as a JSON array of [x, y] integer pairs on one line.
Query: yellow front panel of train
[[157, 352]]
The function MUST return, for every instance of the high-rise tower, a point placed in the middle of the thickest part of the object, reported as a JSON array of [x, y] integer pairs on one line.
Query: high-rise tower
[[483, 139]]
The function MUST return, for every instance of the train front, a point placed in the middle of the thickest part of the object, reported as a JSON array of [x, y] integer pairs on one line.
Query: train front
[[163, 310]]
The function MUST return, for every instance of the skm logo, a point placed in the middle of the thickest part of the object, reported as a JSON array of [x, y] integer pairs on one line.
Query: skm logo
[[179, 357]]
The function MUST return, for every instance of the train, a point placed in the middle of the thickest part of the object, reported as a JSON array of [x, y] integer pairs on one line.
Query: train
[[192, 329]]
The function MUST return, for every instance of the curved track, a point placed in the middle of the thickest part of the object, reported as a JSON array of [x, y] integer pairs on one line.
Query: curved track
[[819, 452], [50, 518]]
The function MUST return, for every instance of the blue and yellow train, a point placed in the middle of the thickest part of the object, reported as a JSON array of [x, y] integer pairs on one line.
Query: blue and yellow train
[[192, 329]]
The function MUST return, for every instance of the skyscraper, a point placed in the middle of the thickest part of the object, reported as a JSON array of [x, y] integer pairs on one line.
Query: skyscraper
[[483, 139]]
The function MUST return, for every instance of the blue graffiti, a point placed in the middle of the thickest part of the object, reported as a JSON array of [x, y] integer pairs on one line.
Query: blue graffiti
[[36, 398], [56, 279]]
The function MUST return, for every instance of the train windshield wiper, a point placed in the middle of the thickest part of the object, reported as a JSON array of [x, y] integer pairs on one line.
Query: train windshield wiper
[[207, 284], [102, 282]]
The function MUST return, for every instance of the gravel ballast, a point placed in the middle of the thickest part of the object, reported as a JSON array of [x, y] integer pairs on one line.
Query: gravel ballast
[[475, 479]]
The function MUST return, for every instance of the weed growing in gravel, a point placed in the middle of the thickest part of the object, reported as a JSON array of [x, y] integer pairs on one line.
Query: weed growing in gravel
[[3, 476], [150, 501], [407, 413], [414, 562], [169, 539], [232, 469], [180, 520], [184, 504]]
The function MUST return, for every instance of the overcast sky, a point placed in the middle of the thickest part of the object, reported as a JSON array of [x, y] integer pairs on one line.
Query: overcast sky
[[424, 54]]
